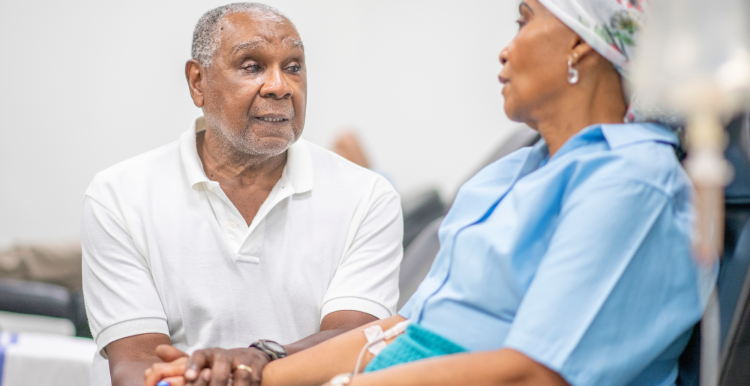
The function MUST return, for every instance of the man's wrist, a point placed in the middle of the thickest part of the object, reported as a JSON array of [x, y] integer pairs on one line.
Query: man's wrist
[[272, 349]]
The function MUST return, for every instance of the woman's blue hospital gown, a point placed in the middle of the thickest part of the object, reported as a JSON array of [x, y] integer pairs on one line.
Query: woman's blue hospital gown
[[581, 262]]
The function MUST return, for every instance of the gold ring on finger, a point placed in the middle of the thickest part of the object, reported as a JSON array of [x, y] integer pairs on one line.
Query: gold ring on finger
[[245, 367]]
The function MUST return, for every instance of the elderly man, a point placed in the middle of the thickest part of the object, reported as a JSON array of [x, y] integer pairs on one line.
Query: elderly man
[[238, 234]]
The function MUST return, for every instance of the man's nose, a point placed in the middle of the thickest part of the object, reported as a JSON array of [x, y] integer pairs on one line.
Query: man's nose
[[276, 85]]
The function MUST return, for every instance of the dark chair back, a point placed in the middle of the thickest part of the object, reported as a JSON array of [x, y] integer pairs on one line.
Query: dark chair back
[[418, 258]]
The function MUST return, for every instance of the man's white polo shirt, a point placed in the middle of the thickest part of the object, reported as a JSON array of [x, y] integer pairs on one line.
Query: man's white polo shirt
[[165, 251]]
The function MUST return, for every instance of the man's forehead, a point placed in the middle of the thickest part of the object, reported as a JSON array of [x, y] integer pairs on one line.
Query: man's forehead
[[252, 30], [260, 42]]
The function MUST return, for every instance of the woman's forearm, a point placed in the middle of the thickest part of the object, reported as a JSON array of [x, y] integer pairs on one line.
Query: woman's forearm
[[318, 364], [502, 367]]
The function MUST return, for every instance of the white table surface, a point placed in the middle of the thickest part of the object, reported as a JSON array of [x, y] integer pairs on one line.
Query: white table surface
[[44, 359]]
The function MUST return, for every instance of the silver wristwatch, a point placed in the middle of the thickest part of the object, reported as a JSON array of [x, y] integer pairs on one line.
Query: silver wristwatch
[[342, 379]]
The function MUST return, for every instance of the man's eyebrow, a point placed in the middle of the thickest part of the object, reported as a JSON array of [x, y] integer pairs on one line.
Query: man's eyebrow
[[294, 42], [257, 42], [250, 44], [523, 4]]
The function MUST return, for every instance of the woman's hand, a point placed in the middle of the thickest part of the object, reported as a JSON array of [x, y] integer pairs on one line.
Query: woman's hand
[[171, 370]]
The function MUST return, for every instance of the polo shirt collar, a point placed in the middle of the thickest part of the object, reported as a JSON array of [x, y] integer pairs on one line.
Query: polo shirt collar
[[298, 169]]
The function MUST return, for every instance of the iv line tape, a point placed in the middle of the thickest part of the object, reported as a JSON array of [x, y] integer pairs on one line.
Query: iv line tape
[[376, 340], [375, 336]]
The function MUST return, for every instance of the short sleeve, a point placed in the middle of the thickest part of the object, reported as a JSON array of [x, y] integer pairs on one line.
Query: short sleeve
[[616, 289], [121, 298], [366, 279]]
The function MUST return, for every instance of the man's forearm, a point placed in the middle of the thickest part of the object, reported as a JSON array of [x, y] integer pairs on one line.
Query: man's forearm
[[313, 340], [130, 357], [130, 373], [332, 325]]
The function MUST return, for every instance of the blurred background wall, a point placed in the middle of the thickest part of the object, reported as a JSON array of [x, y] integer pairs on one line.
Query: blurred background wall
[[85, 84]]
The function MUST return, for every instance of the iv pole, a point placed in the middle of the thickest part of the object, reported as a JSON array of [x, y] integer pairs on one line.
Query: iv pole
[[695, 62]]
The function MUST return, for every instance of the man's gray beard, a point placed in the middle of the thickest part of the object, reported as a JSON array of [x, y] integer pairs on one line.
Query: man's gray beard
[[238, 145]]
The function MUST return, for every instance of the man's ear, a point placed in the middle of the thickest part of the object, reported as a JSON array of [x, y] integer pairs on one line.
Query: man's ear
[[195, 74]]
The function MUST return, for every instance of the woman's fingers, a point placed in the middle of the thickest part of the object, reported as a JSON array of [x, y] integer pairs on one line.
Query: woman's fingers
[[169, 353], [159, 371]]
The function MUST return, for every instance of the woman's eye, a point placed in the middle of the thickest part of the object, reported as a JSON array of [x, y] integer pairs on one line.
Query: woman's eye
[[520, 23]]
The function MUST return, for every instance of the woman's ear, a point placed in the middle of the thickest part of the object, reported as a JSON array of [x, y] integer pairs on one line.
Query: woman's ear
[[580, 48], [195, 74]]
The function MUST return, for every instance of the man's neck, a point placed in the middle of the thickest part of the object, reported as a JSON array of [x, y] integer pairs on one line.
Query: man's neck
[[225, 165]]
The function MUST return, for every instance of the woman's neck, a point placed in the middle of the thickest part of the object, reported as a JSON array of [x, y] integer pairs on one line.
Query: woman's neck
[[585, 105]]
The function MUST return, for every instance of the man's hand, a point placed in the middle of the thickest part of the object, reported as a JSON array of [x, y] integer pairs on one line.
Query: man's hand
[[226, 364], [214, 365]]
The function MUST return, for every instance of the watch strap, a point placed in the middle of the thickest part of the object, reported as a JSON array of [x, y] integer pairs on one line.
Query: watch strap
[[273, 354]]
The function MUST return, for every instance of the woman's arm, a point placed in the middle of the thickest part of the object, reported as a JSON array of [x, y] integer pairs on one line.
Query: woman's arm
[[318, 364], [496, 368]]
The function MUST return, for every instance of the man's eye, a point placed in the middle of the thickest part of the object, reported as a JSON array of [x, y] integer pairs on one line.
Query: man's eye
[[252, 67], [294, 68]]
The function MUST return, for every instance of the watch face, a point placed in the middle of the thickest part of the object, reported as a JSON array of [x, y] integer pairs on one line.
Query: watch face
[[273, 346]]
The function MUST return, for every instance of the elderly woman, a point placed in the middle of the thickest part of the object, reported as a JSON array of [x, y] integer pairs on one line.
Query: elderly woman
[[565, 263]]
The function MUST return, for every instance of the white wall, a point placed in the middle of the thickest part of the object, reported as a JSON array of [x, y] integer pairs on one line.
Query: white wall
[[85, 84]]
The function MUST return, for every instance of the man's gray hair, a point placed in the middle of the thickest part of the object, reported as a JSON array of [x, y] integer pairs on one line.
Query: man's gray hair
[[206, 37]]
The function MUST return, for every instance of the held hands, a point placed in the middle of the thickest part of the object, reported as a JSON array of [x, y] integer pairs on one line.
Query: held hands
[[214, 366]]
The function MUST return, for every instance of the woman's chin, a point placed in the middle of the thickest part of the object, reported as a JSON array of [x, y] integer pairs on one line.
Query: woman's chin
[[511, 111]]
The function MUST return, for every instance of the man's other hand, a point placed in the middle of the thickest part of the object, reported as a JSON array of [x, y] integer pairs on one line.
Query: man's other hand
[[217, 366]]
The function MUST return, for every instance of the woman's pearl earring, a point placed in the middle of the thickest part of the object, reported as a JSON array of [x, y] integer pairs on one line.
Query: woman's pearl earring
[[572, 72]]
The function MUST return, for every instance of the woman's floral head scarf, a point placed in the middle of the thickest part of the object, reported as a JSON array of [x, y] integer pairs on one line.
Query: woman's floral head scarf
[[613, 28]]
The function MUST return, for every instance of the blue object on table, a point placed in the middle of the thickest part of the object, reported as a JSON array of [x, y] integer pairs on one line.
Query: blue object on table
[[7, 339]]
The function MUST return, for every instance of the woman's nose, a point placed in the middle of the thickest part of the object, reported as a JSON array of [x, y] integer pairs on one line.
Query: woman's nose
[[503, 56]]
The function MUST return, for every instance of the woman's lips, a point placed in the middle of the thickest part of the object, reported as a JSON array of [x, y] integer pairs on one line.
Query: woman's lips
[[503, 80]]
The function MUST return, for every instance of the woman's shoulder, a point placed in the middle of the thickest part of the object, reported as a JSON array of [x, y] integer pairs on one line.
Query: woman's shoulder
[[635, 153]]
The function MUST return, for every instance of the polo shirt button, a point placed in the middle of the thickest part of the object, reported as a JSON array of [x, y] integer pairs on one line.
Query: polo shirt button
[[233, 224], [211, 189]]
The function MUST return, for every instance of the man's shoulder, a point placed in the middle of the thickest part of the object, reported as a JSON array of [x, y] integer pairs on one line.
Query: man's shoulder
[[137, 171]]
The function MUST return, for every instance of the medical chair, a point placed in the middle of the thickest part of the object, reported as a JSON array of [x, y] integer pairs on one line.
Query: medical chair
[[419, 210]]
